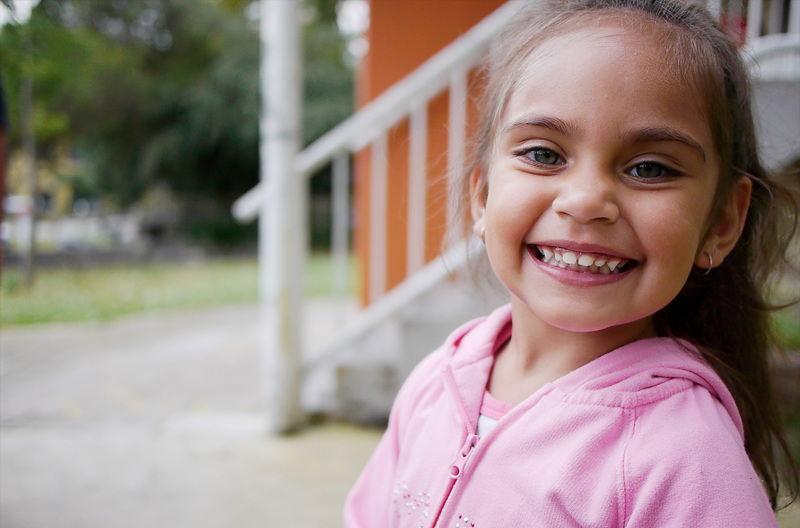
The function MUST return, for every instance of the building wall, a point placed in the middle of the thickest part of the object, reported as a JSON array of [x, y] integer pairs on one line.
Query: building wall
[[402, 35]]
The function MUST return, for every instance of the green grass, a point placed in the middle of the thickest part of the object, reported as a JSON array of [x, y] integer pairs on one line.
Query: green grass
[[102, 293], [787, 328]]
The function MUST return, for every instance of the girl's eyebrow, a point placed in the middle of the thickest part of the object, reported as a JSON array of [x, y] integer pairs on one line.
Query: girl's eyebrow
[[552, 123], [666, 133]]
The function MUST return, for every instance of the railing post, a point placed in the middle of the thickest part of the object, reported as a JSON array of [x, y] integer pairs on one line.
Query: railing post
[[340, 223], [417, 188], [378, 185], [794, 16], [282, 222], [754, 14], [456, 145]]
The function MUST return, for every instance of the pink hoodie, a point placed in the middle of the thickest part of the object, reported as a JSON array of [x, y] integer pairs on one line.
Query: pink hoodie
[[645, 436]]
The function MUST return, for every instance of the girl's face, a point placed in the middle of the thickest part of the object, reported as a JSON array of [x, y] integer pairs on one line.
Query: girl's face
[[600, 184]]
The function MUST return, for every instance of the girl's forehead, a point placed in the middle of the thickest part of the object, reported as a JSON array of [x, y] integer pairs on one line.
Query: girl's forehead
[[610, 35], [618, 52], [593, 24], [606, 79]]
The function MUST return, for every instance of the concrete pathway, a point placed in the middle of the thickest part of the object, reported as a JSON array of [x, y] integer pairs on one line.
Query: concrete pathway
[[153, 421]]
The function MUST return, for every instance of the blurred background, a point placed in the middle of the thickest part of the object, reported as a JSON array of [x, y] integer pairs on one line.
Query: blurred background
[[134, 127], [132, 346]]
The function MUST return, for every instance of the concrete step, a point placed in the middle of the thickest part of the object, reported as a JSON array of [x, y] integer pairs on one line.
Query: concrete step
[[369, 372]]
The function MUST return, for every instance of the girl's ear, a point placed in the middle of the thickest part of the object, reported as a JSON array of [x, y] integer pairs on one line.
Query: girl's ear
[[725, 233], [477, 193]]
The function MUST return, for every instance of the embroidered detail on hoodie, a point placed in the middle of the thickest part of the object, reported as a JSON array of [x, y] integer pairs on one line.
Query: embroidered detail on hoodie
[[411, 504], [464, 522]]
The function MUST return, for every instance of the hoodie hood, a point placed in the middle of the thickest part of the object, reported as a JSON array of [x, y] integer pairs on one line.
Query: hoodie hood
[[633, 375]]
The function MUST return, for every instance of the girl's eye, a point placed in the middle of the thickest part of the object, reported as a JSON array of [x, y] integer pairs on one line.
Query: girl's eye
[[650, 171], [543, 156]]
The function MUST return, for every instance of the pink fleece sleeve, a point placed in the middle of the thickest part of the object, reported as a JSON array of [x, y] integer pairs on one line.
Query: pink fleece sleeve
[[369, 504], [686, 467]]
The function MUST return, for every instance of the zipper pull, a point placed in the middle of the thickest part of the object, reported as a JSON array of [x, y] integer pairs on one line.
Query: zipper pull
[[457, 466]]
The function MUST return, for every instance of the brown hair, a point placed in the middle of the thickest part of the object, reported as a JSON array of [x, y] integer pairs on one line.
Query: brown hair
[[725, 314]]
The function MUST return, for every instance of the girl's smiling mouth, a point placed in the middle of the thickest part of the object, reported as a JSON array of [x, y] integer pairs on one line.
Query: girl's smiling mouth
[[581, 262]]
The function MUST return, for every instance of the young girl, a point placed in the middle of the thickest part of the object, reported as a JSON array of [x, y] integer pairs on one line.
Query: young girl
[[616, 187]]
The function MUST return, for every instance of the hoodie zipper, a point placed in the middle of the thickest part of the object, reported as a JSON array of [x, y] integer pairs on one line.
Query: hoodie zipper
[[456, 468]]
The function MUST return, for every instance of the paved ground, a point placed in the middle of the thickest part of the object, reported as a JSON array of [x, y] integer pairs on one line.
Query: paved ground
[[153, 421]]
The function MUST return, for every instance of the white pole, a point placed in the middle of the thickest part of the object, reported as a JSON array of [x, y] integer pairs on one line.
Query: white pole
[[282, 229], [341, 224]]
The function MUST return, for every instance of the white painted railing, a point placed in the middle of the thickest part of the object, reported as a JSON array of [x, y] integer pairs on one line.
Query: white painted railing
[[769, 29], [772, 19], [409, 98], [773, 39]]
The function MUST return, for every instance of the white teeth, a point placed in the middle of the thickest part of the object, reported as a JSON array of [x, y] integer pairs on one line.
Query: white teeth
[[586, 262]]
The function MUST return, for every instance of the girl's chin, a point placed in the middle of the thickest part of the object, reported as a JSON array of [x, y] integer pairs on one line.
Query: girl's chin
[[559, 317]]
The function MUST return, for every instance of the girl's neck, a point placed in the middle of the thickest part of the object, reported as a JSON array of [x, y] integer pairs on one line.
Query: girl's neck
[[538, 353]]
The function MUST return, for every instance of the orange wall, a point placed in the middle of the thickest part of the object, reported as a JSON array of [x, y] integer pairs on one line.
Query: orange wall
[[402, 35]]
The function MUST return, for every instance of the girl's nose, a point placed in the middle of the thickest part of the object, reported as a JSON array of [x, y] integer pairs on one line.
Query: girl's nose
[[587, 196]]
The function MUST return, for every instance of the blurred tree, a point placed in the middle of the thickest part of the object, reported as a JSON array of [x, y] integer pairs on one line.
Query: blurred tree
[[164, 90], [328, 80]]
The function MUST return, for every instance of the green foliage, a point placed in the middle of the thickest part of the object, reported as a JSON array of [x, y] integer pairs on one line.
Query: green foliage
[[49, 62], [162, 91], [787, 328], [328, 83], [223, 232]]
